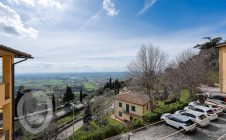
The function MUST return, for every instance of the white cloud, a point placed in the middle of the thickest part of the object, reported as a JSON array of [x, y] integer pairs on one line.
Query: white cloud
[[147, 5], [109, 6], [11, 23], [34, 3]]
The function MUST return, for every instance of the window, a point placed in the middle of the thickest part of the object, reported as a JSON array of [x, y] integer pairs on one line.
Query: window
[[120, 113], [120, 104], [127, 108], [133, 108]]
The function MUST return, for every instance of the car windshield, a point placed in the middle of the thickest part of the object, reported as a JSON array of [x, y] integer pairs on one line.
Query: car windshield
[[214, 106], [202, 117], [189, 122], [210, 112]]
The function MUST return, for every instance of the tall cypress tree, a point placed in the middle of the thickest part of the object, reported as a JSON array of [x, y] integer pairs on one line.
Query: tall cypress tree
[[81, 95], [110, 83], [68, 96], [54, 103]]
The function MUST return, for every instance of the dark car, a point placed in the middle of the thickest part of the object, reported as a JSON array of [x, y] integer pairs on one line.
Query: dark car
[[219, 97]]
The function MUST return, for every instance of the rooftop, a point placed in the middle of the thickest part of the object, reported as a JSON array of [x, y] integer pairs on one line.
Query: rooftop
[[222, 45], [17, 53], [131, 97]]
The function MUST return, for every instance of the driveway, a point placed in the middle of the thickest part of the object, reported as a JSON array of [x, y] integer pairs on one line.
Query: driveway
[[215, 131], [69, 131]]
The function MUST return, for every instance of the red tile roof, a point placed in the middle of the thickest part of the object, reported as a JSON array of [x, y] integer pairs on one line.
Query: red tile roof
[[17, 54], [131, 97]]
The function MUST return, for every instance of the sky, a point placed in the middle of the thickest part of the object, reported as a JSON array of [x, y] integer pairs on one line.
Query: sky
[[104, 35]]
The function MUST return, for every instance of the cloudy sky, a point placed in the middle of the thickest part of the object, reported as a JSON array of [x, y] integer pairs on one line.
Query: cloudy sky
[[104, 35]]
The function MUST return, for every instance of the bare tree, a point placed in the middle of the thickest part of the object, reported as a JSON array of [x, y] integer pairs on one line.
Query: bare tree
[[146, 69], [101, 109], [174, 81], [191, 69]]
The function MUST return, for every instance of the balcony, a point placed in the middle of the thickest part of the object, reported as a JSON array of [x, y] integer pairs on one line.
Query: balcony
[[129, 112], [3, 99]]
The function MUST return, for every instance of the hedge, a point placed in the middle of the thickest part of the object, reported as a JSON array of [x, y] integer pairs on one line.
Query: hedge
[[100, 133], [154, 116]]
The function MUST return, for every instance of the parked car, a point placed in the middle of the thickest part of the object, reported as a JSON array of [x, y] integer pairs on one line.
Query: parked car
[[217, 96], [205, 110], [178, 121], [217, 102], [217, 109], [197, 117]]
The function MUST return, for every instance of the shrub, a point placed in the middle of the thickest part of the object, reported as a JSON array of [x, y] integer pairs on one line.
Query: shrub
[[151, 117], [154, 116], [137, 122], [100, 133]]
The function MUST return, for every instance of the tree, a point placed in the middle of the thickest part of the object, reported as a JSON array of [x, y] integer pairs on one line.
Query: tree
[[146, 70], [81, 95], [110, 83], [210, 50], [191, 70], [53, 103], [87, 117], [173, 81], [117, 86], [20, 93], [68, 96]]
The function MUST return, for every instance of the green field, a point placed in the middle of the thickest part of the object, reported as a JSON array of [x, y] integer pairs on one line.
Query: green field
[[90, 86]]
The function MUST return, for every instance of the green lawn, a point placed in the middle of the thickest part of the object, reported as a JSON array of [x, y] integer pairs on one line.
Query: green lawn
[[68, 118], [90, 86]]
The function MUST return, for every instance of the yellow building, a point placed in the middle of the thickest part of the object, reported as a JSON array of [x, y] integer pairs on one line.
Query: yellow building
[[129, 105], [222, 69], [7, 89]]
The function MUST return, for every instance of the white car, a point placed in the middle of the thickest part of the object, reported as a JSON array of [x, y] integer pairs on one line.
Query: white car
[[197, 117], [217, 102], [205, 110], [178, 121], [217, 109]]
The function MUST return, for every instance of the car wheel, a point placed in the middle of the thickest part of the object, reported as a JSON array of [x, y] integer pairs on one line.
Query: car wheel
[[182, 129]]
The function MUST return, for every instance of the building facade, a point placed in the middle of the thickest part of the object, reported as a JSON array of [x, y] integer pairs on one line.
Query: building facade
[[129, 105], [222, 67]]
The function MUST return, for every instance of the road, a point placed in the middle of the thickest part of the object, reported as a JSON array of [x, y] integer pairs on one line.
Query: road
[[69, 131], [215, 131]]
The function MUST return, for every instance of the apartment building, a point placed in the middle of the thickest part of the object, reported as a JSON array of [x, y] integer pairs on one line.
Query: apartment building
[[129, 105]]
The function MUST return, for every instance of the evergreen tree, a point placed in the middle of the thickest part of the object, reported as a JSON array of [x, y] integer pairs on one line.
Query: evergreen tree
[[19, 95], [117, 86], [68, 96], [87, 117], [110, 83], [81, 95], [210, 50], [53, 103]]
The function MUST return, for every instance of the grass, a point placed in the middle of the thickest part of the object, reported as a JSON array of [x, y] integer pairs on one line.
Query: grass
[[68, 118], [90, 86], [184, 98]]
